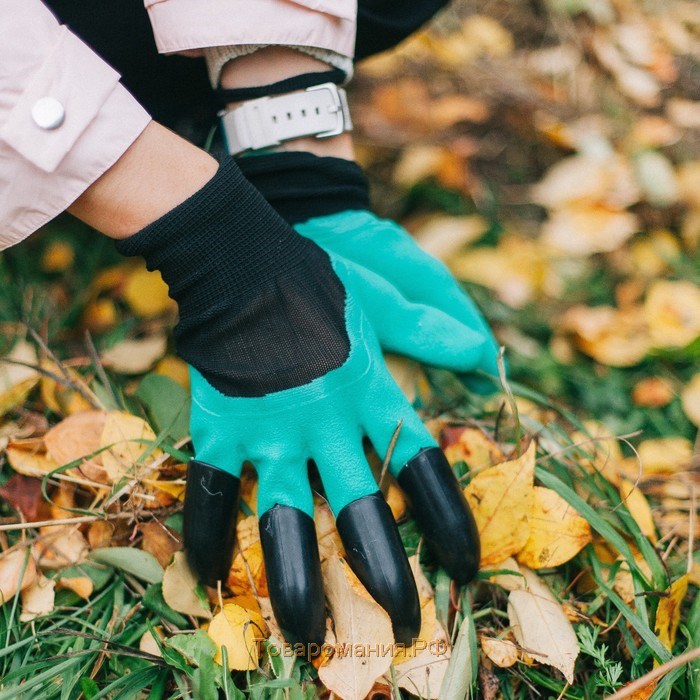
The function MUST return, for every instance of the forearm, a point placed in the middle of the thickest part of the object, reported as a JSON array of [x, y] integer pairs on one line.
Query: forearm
[[156, 173]]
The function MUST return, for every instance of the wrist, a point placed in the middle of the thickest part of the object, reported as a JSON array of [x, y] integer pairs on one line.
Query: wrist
[[272, 64]]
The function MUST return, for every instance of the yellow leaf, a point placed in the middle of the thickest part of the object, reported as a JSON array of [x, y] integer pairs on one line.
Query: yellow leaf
[[639, 508], [15, 575], [690, 398], [623, 583], [173, 487], [501, 500], [472, 446], [30, 462], [665, 455], [501, 651], [672, 310], [17, 380], [234, 629], [80, 585], [541, 626], [100, 315], [248, 564], [135, 356], [652, 392], [147, 294], [60, 547], [557, 531], [38, 599], [179, 585], [174, 368], [59, 397], [57, 257], [668, 613], [359, 623], [126, 438], [444, 236], [510, 581]]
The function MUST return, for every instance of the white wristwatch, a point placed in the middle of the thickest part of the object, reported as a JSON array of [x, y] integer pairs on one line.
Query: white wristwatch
[[320, 111]]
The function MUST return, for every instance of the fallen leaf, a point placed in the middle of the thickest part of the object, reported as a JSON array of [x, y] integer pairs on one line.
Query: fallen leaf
[[510, 581], [690, 399], [501, 499], [132, 356], [100, 534], [174, 368], [470, 445], [501, 651], [148, 643], [557, 531], [234, 629], [665, 455], [248, 563], [668, 612], [29, 458], [61, 546], [75, 438], [63, 397], [672, 310], [15, 574], [179, 588], [17, 380], [23, 493], [146, 293], [58, 256], [683, 112], [689, 182], [100, 315], [639, 508], [38, 599], [653, 392], [541, 626], [80, 585], [125, 439], [623, 583], [359, 624], [444, 236], [159, 541], [657, 178]]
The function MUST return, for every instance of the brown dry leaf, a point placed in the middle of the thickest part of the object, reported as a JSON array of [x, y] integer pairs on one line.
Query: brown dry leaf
[[668, 613], [23, 493], [100, 534], [501, 651], [135, 356], [179, 584], [557, 531], [541, 626], [618, 338], [62, 546], [146, 293], [15, 575], [444, 236], [623, 583], [470, 445], [672, 310], [501, 499], [688, 174], [665, 455], [126, 438], [583, 230], [652, 392], [159, 541], [639, 508], [17, 380], [38, 599], [80, 585], [29, 458], [248, 563], [690, 398], [235, 629], [359, 623], [77, 437]]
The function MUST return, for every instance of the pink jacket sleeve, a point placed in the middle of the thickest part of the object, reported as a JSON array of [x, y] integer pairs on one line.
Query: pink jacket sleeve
[[190, 25], [64, 118]]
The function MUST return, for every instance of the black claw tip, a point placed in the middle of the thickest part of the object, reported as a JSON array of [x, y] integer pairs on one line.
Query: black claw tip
[[293, 568], [442, 513], [376, 554], [209, 527]]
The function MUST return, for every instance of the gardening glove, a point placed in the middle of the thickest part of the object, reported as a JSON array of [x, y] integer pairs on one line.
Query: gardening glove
[[411, 299], [285, 368]]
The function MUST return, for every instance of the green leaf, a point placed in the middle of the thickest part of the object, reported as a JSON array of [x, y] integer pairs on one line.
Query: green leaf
[[167, 403], [89, 688], [459, 676], [154, 601], [196, 648], [133, 561]]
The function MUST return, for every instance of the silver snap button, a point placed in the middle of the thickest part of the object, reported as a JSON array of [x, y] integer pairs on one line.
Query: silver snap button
[[48, 113]]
